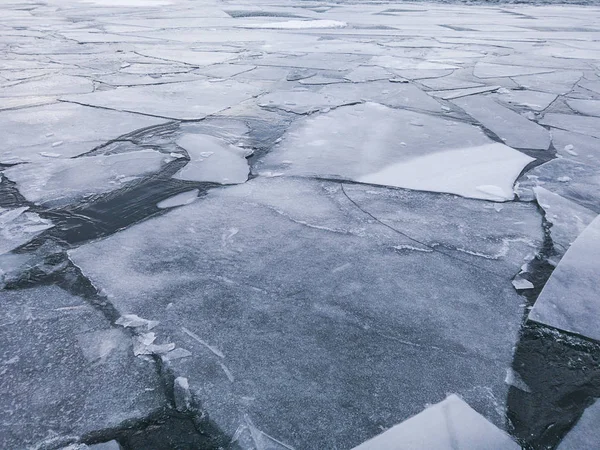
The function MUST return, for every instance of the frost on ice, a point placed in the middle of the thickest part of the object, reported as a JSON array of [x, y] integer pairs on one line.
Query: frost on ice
[[372, 143]]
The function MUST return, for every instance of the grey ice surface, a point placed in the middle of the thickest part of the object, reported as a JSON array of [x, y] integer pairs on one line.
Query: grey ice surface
[[570, 299], [302, 355], [514, 129], [585, 433], [451, 423], [67, 370], [18, 226]]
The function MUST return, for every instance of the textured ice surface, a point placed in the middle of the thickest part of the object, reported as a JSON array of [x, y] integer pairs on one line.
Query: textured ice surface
[[587, 107], [568, 219], [51, 85], [570, 179], [560, 82], [384, 92], [578, 124], [449, 424], [297, 303], [537, 101], [577, 147], [585, 433], [487, 70], [372, 143], [213, 159], [194, 100], [28, 132], [514, 129], [66, 369], [570, 299], [18, 226], [59, 182], [191, 57], [185, 198], [458, 93]]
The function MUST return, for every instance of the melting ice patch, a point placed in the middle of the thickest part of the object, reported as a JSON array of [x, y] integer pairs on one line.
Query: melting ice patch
[[372, 143], [213, 160]]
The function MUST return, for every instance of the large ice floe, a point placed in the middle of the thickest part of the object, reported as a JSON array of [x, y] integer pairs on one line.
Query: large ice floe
[[372, 143], [66, 369], [307, 305]]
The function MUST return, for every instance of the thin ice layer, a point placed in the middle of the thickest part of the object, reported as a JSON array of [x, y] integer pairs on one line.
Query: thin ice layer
[[18, 226], [295, 304], [570, 298], [568, 219], [372, 143], [59, 182], [63, 129], [449, 424], [213, 159], [585, 432], [67, 370]]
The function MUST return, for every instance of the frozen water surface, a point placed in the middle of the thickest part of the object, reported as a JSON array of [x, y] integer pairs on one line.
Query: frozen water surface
[[372, 143], [570, 299], [67, 369], [298, 220], [230, 277], [585, 433]]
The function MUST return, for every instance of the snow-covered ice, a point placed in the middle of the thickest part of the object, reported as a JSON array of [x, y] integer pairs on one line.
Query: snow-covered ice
[[570, 300], [451, 423]]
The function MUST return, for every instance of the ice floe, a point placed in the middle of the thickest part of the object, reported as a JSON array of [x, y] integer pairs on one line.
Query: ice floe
[[18, 226], [569, 300], [372, 143]]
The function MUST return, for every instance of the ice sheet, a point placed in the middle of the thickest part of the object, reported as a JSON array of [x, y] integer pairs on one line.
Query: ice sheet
[[585, 432], [514, 129], [371, 143], [18, 226], [288, 276], [213, 159], [28, 132], [569, 300], [193, 100], [59, 182], [65, 368], [578, 124]]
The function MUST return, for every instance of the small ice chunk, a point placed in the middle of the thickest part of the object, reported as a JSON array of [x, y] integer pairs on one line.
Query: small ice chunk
[[521, 283], [50, 154], [185, 198], [213, 160], [182, 394], [134, 321], [564, 179], [17, 227], [177, 353]]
